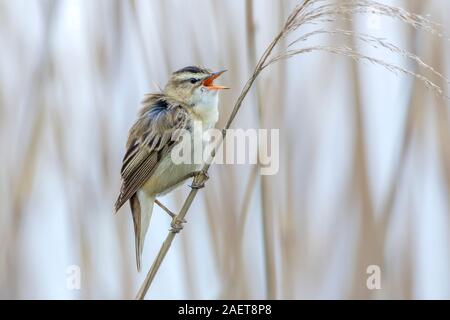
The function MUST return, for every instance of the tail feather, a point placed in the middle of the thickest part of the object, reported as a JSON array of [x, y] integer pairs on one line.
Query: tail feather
[[141, 209], [119, 203]]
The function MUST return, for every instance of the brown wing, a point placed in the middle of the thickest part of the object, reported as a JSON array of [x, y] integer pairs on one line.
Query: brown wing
[[151, 138]]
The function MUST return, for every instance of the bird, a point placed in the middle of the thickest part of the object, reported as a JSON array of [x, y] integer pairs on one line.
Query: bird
[[148, 170]]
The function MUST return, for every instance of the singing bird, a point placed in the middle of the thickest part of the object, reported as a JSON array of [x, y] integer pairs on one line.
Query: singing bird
[[148, 170]]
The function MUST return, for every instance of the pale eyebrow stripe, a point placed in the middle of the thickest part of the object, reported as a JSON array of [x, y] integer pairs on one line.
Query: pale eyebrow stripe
[[186, 76]]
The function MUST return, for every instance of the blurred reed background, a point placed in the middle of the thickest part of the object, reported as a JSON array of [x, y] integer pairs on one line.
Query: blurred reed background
[[364, 156]]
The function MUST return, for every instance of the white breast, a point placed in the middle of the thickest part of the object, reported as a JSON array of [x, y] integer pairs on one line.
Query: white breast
[[206, 107]]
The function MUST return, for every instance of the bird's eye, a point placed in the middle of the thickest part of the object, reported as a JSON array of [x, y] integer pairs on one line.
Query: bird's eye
[[193, 80]]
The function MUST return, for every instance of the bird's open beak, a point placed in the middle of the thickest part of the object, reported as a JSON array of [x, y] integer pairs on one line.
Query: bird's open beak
[[209, 82]]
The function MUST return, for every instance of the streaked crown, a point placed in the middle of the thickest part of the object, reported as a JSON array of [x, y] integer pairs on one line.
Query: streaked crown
[[190, 73]]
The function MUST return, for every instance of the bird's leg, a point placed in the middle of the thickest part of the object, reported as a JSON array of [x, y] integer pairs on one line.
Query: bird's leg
[[200, 177], [167, 210], [176, 224]]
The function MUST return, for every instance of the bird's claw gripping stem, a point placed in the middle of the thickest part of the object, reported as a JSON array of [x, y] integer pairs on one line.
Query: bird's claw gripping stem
[[176, 225], [199, 180]]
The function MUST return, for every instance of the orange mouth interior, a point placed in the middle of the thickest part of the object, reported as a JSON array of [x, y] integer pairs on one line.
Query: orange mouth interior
[[209, 83]]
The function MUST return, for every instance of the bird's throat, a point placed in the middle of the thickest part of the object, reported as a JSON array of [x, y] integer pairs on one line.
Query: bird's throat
[[207, 111]]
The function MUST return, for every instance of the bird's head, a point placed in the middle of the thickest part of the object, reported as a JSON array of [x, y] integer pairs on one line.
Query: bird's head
[[193, 85]]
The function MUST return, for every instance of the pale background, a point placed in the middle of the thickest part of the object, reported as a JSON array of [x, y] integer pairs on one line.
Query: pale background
[[364, 161]]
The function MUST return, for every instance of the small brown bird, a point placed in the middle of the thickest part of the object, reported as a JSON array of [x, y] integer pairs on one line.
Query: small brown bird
[[148, 170]]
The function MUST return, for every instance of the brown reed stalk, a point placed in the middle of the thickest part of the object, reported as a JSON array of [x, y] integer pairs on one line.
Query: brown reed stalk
[[266, 214], [315, 12]]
